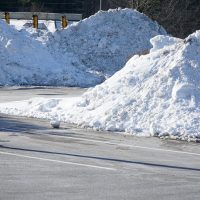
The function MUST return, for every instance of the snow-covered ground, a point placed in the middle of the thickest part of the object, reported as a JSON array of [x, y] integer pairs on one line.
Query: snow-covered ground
[[155, 94], [83, 55]]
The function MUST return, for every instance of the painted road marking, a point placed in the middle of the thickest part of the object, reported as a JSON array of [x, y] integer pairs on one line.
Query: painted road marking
[[118, 144], [57, 161], [133, 146]]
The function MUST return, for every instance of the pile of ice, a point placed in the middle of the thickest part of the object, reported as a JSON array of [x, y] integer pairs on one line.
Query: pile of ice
[[105, 41], [26, 61], [154, 94]]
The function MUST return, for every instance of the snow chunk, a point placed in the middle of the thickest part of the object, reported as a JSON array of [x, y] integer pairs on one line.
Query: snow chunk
[[183, 91], [55, 123], [161, 41]]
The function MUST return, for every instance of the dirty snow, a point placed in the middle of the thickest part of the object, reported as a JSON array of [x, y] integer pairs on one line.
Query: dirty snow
[[105, 41], [153, 95]]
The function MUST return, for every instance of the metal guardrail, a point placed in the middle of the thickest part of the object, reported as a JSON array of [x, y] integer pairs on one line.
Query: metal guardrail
[[42, 16]]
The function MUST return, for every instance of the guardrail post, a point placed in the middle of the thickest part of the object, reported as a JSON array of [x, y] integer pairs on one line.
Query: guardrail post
[[64, 22], [7, 17], [35, 21]]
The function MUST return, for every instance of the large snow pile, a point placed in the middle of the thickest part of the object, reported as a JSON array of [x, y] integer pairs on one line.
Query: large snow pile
[[154, 94], [105, 41], [24, 60], [83, 54]]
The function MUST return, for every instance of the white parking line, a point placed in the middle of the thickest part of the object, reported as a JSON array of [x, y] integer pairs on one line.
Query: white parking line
[[120, 144], [57, 161], [134, 146]]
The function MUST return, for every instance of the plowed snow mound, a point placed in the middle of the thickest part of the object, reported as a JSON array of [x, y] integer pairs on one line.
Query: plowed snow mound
[[105, 41], [155, 94], [82, 55], [26, 61]]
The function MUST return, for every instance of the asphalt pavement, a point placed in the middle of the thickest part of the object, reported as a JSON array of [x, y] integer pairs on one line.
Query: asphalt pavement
[[38, 162]]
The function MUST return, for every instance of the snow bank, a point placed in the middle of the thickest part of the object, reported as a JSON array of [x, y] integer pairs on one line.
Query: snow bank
[[83, 54], [26, 61], [105, 41], [154, 94]]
